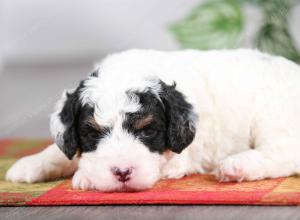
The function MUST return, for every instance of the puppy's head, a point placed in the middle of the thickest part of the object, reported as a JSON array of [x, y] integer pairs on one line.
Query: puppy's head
[[121, 135]]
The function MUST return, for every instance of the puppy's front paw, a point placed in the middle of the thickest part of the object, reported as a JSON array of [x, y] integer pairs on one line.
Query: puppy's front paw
[[80, 181], [172, 171], [230, 170], [239, 167], [172, 174], [27, 169]]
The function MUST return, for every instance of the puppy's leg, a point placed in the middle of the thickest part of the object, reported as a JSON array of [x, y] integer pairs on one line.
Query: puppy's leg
[[275, 136], [49, 164], [80, 181], [179, 165], [266, 162]]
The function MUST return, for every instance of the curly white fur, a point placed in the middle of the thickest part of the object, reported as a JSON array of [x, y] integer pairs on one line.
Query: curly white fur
[[244, 99]]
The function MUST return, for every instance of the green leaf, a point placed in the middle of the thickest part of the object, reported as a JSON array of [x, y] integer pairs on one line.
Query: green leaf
[[214, 24], [274, 36], [218, 24]]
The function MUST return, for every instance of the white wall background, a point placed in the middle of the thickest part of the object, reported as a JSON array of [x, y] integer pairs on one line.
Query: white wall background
[[68, 31], [63, 30]]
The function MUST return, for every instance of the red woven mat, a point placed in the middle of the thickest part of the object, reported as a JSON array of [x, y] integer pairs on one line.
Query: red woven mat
[[194, 189]]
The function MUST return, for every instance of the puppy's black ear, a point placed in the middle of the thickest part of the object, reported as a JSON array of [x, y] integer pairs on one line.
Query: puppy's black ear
[[181, 119], [63, 122]]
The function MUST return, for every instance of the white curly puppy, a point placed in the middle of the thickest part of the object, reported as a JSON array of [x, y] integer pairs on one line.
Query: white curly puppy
[[144, 115]]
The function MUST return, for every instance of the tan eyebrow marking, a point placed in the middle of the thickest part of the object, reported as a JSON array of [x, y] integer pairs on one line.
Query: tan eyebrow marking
[[92, 122], [143, 122]]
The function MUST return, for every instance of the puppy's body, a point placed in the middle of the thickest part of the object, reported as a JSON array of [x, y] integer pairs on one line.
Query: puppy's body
[[239, 111]]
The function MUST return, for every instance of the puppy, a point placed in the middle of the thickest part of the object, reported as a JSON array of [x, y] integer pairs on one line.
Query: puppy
[[143, 115]]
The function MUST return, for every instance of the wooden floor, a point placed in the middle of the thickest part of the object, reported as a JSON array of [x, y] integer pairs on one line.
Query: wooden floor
[[27, 96], [150, 212]]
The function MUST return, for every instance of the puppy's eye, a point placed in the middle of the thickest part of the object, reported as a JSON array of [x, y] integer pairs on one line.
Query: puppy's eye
[[148, 132], [93, 134]]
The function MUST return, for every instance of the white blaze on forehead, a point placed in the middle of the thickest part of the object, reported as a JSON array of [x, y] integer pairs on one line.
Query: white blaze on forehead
[[112, 98], [109, 110]]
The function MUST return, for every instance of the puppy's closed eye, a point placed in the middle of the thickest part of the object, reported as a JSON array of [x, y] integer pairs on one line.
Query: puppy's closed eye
[[141, 123], [92, 122], [148, 132]]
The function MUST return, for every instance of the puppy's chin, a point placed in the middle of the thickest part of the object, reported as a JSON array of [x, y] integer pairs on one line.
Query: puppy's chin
[[112, 186], [133, 185], [127, 188]]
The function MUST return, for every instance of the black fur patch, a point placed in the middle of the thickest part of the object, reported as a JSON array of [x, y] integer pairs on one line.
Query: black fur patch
[[69, 118], [181, 119], [89, 136], [172, 126], [79, 135], [153, 135]]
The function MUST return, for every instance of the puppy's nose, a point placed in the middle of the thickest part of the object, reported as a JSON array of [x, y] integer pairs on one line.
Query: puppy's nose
[[123, 175]]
